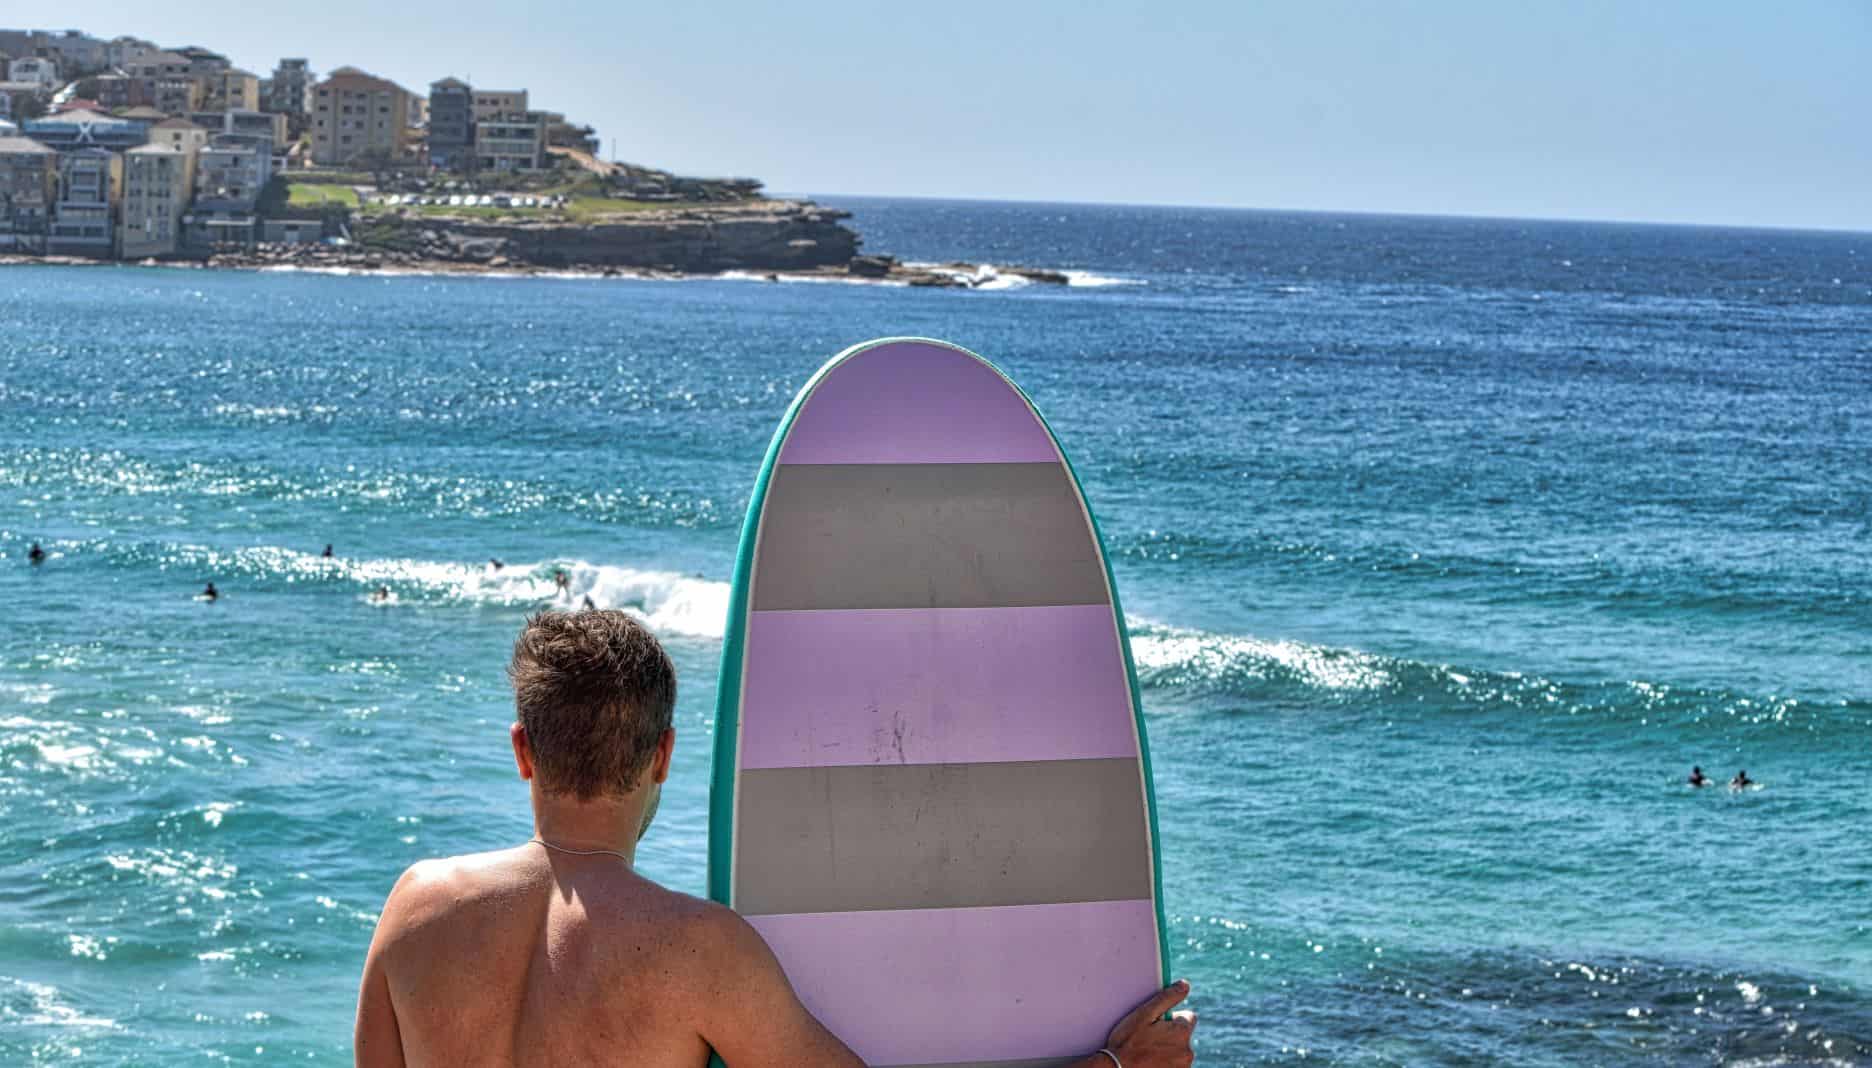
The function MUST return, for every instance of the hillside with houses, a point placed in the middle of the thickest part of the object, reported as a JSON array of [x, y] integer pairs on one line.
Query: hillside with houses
[[121, 149]]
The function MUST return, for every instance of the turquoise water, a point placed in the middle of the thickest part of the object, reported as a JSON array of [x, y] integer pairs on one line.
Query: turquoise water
[[1449, 547]]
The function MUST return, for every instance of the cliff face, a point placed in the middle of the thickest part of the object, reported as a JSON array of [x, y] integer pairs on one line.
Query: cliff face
[[759, 236]]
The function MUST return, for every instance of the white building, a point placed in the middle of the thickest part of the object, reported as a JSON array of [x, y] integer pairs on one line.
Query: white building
[[40, 70]]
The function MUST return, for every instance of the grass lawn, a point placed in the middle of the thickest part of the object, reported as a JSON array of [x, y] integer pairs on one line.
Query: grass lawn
[[578, 209], [310, 195]]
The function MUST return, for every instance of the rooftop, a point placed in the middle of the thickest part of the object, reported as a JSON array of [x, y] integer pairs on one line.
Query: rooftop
[[13, 146]]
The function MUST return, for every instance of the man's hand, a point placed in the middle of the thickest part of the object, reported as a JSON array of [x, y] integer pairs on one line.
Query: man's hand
[[1144, 1039]]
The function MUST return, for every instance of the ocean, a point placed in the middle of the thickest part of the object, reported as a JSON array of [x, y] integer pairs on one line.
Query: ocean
[[1449, 547]]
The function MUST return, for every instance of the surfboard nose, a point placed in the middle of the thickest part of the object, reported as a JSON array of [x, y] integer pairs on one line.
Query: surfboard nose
[[916, 401]]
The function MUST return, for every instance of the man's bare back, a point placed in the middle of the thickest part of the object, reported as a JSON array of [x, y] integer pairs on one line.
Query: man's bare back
[[560, 954], [523, 956]]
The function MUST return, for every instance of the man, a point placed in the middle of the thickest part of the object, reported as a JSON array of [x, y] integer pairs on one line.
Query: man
[[1741, 781], [557, 952], [1697, 778]]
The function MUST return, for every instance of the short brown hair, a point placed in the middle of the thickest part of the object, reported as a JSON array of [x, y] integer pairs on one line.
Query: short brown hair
[[595, 692]]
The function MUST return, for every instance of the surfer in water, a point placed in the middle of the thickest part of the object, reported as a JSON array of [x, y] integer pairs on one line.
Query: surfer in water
[[1697, 778], [556, 951], [588, 605], [209, 593], [562, 580], [381, 595], [1741, 781], [494, 564], [327, 554], [36, 554]]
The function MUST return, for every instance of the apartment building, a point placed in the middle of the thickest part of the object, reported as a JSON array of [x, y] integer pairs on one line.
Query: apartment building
[[231, 171], [357, 117], [510, 143], [493, 103], [290, 90], [89, 180], [158, 180], [235, 90], [451, 124], [28, 183], [179, 133], [39, 70]]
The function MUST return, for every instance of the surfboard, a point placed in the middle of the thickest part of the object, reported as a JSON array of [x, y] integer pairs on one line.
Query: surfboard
[[931, 789]]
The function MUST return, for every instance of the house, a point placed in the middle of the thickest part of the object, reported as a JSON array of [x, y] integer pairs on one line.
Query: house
[[290, 91], [28, 182], [179, 133], [83, 129], [40, 70], [89, 180], [490, 103], [510, 143], [359, 117], [451, 124], [157, 182]]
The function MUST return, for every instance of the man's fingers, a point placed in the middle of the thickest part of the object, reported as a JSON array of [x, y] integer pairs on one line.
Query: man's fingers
[[1184, 1020], [1155, 1006]]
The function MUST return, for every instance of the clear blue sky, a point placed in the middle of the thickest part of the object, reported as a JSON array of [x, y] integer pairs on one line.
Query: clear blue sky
[[1745, 113]]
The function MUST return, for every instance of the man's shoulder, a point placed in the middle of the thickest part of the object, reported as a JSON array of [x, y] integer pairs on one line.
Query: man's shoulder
[[430, 889]]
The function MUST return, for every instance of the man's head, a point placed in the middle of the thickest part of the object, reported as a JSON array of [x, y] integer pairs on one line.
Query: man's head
[[595, 694]]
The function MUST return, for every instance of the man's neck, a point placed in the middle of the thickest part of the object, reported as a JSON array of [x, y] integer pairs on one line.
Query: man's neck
[[607, 824]]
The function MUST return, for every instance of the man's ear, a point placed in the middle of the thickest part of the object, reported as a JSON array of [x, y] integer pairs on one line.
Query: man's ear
[[523, 752], [659, 767]]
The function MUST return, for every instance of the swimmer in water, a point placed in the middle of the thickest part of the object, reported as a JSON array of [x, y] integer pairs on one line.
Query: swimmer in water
[[327, 553], [36, 554], [1697, 778], [209, 593], [562, 580], [1741, 781], [382, 594], [495, 563]]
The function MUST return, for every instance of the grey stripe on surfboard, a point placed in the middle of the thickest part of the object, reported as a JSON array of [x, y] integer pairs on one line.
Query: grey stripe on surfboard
[[925, 536], [929, 836]]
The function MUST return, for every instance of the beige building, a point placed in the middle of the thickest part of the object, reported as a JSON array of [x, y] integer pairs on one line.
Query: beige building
[[179, 133], [496, 103], [157, 182], [359, 117], [237, 90]]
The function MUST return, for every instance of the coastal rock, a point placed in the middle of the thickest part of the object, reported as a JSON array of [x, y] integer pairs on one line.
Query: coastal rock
[[761, 235], [871, 266]]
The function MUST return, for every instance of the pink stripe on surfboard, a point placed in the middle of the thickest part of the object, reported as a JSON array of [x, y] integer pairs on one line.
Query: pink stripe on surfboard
[[934, 686], [940, 986], [915, 403]]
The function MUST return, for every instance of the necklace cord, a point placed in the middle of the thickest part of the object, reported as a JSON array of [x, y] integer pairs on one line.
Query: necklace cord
[[578, 852]]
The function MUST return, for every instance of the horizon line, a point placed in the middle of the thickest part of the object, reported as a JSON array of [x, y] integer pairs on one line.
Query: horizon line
[[1865, 231]]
